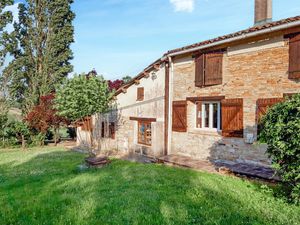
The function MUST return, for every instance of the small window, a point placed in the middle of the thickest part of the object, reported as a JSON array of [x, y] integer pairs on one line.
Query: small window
[[112, 130], [144, 133], [103, 129], [140, 94], [208, 115]]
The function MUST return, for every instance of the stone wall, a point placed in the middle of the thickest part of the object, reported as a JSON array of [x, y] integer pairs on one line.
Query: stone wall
[[250, 71], [127, 106]]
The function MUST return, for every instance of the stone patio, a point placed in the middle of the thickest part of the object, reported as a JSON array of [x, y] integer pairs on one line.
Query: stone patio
[[245, 169]]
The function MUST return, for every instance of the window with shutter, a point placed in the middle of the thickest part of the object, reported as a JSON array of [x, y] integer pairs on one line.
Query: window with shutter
[[199, 71], [144, 133], [179, 117], [213, 68], [87, 124], [262, 108], [112, 130], [209, 67], [140, 94], [199, 115], [103, 129], [294, 56], [232, 118]]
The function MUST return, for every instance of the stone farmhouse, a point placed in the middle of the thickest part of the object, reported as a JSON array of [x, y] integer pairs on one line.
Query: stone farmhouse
[[205, 100]]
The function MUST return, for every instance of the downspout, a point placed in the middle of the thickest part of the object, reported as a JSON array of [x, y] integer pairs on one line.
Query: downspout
[[171, 68]]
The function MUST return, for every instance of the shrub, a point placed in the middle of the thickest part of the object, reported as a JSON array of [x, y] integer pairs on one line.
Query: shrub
[[281, 131]]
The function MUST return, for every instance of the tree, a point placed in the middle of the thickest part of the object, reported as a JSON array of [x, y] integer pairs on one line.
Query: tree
[[44, 116], [5, 19], [41, 52], [3, 117], [81, 97], [115, 85], [126, 79], [281, 131], [21, 131]]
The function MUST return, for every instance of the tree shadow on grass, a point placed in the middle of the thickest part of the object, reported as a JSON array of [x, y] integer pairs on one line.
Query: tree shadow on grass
[[47, 189]]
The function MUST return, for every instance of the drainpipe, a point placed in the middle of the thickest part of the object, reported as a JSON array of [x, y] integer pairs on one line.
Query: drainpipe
[[171, 68]]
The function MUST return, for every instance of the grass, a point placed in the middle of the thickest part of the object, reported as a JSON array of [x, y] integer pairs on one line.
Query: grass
[[42, 186]]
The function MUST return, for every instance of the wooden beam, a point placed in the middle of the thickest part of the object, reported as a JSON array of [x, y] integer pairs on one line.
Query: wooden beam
[[137, 82], [156, 66], [146, 74], [206, 98], [124, 90], [143, 119]]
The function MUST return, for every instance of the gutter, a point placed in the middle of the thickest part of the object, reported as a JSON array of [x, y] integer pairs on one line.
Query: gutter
[[241, 37]]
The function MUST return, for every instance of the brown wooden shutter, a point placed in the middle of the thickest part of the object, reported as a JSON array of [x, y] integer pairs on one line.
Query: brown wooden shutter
[[262, 107], [140, 94], [294, 53], [232, 118], [213, 68], [112, 131], [179, 118], [199, 70], [199, 115], [87, 124]]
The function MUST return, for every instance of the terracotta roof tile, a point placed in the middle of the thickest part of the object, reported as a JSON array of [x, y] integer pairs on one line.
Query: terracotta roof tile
[[214, 40], [239, 33]]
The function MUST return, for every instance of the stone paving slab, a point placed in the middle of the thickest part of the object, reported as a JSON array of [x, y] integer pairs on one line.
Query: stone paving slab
[[262, 172], [246, 169]]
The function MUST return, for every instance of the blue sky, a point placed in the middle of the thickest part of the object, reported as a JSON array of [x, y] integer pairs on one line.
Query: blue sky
[[122, 37]]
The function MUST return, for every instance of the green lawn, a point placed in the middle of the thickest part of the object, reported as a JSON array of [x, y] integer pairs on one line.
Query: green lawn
[[44, 187]]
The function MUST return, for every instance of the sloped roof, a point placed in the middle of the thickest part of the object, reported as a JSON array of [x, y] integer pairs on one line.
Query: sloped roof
[[236, 34], [214, 40]]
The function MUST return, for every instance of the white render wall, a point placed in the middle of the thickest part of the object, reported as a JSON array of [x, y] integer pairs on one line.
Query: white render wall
[[127, 130]]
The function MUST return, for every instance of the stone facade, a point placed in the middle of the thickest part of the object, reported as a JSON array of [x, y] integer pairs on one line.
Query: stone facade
[[250, 71], [254, 70]]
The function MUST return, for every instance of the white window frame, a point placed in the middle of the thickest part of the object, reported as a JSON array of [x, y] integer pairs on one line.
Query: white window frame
[[210, 128]]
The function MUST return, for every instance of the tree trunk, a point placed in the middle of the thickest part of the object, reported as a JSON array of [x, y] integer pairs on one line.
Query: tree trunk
[[55, 136], [23, 142], [89, 127]]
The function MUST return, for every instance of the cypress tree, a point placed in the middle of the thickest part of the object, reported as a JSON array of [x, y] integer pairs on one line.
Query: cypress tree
[[5, 19], [41, 53]]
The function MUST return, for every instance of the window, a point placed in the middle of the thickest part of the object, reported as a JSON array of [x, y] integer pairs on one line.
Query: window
[[263, 104], [208, 115], [294, 56], [112, 130], [140, 94], [179, 116], [209, 67], [87, 124], [144, 133], [103, 129]]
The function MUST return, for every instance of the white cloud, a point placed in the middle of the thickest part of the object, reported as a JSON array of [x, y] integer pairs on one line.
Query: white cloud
[[183, 5]]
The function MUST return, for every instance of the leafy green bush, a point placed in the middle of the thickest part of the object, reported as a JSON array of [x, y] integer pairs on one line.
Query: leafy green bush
[[281, 131], [36, 140], [9, 143]]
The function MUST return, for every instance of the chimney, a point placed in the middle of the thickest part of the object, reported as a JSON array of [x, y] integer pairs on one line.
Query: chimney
[[263, 12]]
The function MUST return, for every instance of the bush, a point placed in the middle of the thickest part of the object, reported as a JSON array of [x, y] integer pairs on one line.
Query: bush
[[37, 140], [9, 143], [281, 131]]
